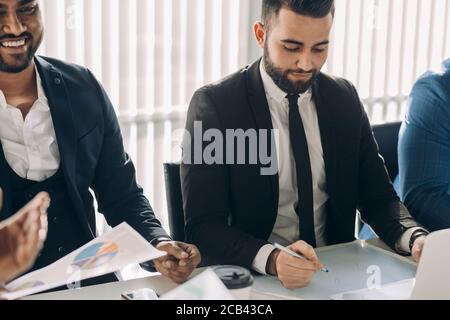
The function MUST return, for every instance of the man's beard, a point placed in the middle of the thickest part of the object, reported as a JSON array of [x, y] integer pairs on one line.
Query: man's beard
[[24, 60], [280, 77]]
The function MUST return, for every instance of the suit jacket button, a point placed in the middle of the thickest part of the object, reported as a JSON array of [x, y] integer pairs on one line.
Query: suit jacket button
[[60, 249], [57, 81], [55, 219]]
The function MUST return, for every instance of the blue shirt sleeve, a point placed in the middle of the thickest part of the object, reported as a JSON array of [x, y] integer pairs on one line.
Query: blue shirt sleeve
[[424, 152]]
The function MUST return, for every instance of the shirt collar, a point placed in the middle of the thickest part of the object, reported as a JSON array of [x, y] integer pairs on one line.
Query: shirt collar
[[273, 91], [3, 103], [41, 103]]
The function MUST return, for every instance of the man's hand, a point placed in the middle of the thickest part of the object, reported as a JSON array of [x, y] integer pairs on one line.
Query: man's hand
[[22, 237], [181, 261], [418, 248], [294, 273]]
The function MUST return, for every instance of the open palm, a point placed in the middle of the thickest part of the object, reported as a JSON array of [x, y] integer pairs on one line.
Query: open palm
[[22, 236]]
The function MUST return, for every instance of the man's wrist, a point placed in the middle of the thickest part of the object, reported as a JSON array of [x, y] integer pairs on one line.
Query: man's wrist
[[271, 267], [155, 242], [150, 265], [417, 235]]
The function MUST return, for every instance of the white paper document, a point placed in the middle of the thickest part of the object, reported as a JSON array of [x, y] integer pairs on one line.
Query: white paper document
[[109, 253], [432, 280], [401, 290], [205, 286]]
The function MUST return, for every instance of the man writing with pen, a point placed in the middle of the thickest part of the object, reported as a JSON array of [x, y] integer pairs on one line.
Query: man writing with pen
[[328, 164]]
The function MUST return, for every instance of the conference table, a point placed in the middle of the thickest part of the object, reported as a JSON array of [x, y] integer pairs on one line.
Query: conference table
[[162, 285]]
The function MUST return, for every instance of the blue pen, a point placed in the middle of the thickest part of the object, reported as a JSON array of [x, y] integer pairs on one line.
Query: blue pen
[[294, 254]]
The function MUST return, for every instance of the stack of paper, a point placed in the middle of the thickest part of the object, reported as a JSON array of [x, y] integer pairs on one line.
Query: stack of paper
[[401, 290]]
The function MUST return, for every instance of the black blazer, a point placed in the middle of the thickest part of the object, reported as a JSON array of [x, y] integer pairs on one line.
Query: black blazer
[[92, 153], [231, 209]]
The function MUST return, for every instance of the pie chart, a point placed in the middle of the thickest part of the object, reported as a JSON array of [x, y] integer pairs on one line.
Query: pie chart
[[96, 255]]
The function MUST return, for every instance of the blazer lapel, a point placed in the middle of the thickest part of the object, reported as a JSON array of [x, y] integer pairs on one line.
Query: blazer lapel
[[324, 106], [261, 113], [65, 129]]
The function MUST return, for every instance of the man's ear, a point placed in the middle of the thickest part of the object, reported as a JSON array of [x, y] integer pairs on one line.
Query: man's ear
[[260, 33]]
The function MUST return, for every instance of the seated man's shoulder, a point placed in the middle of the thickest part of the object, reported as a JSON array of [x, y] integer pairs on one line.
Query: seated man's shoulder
[[434, 85], [227, 86], [342, 93], [429, 103], [69, 70], [336, 85], [224, 96], [80, 82]]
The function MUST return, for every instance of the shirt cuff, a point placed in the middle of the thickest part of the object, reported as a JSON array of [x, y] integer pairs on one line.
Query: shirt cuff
[[403, 244], [260, 261], [157, 240]]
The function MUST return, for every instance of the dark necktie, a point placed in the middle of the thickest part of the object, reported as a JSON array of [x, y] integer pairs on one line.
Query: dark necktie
[[305, 208]]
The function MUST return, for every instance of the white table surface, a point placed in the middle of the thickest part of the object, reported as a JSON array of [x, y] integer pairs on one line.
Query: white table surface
[[162, 285]]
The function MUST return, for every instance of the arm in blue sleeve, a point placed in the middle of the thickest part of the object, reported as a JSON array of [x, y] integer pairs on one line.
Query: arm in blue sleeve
[[424, 154]]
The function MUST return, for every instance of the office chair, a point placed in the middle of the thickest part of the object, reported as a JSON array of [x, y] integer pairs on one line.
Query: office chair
[[174, 201], [387, 138]]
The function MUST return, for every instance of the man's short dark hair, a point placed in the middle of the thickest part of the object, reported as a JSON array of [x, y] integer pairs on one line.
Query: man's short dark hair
[[308, 8]]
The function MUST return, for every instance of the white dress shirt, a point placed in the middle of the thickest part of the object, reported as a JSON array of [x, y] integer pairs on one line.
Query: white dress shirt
[[286, 230], [29, 144]]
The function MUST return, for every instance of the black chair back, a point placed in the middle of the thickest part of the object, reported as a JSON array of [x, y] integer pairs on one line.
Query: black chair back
[[387, 139], [174, 201]]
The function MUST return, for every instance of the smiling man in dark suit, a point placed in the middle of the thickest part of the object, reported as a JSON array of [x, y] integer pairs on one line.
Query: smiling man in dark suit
[[328, 161], [59, 134]]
